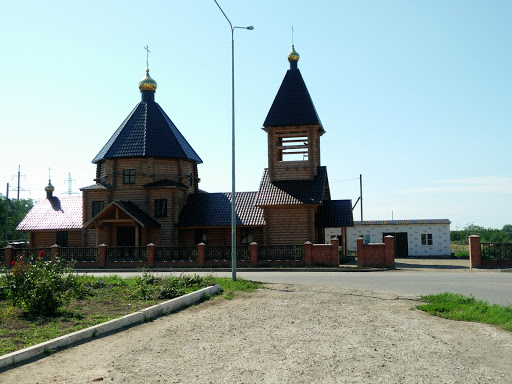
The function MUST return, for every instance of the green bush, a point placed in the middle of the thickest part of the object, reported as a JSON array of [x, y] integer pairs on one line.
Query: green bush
[[40, 286], [150, 287]]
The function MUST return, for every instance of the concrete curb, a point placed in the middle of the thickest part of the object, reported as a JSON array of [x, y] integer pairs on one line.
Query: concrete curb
[[241, 270], [112, 325]]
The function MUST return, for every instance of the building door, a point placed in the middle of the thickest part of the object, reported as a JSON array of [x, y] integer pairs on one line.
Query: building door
[[125, 236], [401, 243]]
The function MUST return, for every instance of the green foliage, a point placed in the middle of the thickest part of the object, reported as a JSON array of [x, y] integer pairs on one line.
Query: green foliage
[[39, 286], [461, 254], [459, 307], [104, 298], [240, 285], [17, 211], [151, 287], [487, 235]]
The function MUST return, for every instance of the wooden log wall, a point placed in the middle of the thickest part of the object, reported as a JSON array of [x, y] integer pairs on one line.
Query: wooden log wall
[[290, 224], [44, 239]]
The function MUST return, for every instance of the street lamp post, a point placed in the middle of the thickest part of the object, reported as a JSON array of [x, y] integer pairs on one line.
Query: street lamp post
[[233, 203]]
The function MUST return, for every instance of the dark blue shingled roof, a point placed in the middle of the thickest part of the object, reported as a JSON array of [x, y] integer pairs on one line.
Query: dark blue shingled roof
[[292, 191], [293, 104], [214, 209], [147, 132], [335, 214]]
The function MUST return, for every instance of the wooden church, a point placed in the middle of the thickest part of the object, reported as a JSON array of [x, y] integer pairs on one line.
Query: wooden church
[[147, 185]]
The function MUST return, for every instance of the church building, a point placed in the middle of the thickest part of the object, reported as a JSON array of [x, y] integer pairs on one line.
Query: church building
[[146, 187]]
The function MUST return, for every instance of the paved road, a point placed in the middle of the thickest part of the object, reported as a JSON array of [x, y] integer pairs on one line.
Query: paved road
[[411, 279]]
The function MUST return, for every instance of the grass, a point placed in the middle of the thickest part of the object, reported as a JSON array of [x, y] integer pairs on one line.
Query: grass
[[463, 308], [104, 299]]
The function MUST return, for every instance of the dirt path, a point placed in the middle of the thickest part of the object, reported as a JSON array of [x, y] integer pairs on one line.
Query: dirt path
[[287, 334]]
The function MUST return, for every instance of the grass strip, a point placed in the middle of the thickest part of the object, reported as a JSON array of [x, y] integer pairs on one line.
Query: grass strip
[[105, 298], [459, 307]]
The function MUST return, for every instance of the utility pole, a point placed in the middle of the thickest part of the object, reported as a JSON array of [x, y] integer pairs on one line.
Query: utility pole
[[69, 181], [19, 188], [361, 193], [6, 213]]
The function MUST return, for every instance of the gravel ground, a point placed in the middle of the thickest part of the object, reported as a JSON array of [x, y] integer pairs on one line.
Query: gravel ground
[[287, 334]]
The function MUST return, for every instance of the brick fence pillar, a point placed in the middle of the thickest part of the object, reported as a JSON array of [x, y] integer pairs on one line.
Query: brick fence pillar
[[389, 251], [360, 252], [335, 254], [201, 254], [55, 251], [308, 253], [9, 255], [253, 250], [475, 252], [150, 252], [102, 255]]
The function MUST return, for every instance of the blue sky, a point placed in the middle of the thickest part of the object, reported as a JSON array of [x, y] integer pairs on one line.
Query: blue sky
[[414, 95]]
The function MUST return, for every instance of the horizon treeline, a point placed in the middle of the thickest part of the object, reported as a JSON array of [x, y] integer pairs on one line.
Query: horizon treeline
[[487, 235]]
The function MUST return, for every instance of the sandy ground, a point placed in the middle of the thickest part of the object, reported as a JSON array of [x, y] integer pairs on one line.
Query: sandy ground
[[287, 334]]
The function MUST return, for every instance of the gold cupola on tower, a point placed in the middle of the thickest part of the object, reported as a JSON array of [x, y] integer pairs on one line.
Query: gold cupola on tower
[[147, 83], [293, 55]]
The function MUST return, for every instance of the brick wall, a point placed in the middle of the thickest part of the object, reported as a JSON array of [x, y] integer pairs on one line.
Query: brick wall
[[314, 254], [322, 254], [376, 254]]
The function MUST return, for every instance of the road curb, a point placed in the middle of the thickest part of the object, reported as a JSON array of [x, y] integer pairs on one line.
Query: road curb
[[112, 325], [240, 270]]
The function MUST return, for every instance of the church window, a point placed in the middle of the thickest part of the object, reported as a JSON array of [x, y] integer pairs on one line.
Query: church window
[[97, 207], [246, 235], [161, 208], [128, 176], [201, 235], [62, 238]]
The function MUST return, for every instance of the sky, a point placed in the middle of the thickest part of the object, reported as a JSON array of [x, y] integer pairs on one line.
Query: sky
[[415, 96]]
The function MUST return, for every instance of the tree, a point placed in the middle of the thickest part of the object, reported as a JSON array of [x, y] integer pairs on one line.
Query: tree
[[487, 235], [507, 231], [17, 211]]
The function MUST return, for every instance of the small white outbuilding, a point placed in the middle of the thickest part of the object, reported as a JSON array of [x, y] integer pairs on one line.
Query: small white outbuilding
[[413, 238]]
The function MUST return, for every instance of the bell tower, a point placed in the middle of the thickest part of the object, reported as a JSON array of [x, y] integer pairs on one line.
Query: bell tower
[[293, 129]]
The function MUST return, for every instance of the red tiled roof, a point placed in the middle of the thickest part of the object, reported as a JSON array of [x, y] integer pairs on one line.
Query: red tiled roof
[[56, 213]]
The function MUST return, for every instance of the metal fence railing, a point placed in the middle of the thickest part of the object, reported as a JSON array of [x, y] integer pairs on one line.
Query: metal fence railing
[[223, 253], [283, 252], [497, 251], [176, 254], [126, 254], [79, 254], [189, 254]]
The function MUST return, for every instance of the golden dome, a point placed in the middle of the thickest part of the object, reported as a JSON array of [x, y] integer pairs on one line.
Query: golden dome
[[293, 55], [147, 83], [49, 187]]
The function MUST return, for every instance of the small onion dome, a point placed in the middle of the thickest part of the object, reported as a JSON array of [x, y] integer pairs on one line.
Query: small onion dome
[[293, 55], [147, 83], [49, 187]]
